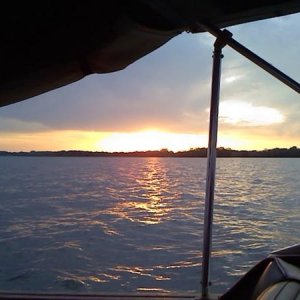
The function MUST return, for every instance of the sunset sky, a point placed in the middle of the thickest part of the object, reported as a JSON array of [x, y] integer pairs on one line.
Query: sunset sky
[[162, 100]]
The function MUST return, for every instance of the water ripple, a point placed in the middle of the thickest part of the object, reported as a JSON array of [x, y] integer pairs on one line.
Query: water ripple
[[135, 224]]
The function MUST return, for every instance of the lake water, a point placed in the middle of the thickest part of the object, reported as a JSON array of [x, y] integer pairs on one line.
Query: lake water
[[93, 225]]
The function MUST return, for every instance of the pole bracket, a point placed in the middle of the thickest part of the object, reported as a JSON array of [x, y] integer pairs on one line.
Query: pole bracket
[[222, 39]]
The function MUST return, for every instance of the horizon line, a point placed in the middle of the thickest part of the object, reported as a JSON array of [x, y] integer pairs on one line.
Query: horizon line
[[198, 151], [156, 150]]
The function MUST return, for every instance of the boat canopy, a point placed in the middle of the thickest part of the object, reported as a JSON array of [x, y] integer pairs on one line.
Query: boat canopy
[[49, 44]]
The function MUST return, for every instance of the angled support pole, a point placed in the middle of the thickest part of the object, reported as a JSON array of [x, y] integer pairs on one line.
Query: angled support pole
[[249, 54], [211, 160]]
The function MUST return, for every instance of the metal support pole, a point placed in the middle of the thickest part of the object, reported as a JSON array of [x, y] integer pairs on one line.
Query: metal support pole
[[223, 34], [211, 164]]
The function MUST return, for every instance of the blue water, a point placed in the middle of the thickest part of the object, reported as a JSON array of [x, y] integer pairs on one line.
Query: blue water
[[93, 225]]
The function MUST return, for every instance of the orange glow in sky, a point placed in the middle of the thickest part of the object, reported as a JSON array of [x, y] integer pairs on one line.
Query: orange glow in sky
[[134, 141], [150, 140]]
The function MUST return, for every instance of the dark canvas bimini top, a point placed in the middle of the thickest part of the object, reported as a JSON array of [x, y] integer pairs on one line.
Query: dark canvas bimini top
[[48, 44]]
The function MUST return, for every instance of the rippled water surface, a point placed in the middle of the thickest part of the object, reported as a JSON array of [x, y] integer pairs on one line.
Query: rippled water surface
[[135, 224]]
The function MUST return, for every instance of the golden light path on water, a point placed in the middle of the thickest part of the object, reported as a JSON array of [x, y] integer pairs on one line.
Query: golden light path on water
[[152, 185]]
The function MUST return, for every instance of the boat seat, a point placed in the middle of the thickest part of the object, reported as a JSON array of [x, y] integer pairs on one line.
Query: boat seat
[[284, 290], [279, 281]]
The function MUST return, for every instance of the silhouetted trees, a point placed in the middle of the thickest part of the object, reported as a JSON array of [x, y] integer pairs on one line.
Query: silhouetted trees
[[193, 152]]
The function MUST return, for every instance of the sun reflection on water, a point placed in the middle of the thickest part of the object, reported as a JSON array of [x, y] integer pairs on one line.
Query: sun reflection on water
[[152, 206]]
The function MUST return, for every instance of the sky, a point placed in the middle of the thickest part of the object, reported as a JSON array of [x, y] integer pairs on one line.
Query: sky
[[162, 100]]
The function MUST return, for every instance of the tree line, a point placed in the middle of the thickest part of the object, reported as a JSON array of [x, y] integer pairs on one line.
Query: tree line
[[193, 152]]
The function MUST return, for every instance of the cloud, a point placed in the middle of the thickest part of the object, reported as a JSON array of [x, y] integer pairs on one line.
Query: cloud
[[16, 125], [246, 114]]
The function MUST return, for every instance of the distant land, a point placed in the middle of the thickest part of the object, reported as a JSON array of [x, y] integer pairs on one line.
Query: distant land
[[194, 152]]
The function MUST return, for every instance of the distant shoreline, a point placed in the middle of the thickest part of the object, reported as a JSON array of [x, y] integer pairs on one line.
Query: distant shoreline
[[196, 152]]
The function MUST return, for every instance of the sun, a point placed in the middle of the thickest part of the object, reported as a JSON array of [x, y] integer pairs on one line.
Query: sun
[[152, 139]]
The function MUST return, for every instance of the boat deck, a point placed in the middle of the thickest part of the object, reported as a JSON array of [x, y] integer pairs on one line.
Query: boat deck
[[102, 296]]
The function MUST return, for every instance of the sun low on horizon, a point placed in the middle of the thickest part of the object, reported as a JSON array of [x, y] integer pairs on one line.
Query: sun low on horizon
[[155, 140], [147, 140], [143, 140]]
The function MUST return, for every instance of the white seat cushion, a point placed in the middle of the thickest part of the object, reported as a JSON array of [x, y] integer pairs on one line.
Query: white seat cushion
[[284, 290]]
